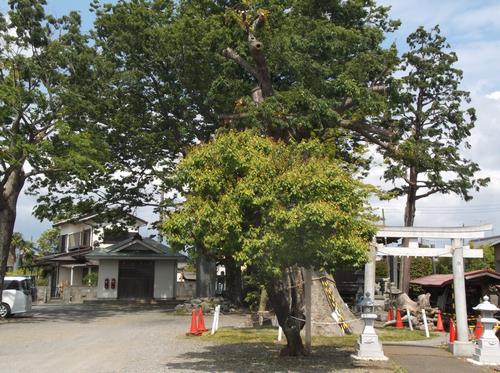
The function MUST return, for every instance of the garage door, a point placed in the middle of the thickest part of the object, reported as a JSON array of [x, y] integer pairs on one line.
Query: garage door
[[136, 279]]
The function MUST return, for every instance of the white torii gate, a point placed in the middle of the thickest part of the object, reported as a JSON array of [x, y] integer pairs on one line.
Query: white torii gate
[[462, 346]]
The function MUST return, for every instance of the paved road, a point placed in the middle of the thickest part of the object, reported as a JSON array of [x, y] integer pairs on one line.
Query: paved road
[[418, 359]]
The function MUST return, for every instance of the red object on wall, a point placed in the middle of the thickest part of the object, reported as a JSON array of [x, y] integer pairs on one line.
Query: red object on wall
[[389, 314], [113, 283], [106, 283]]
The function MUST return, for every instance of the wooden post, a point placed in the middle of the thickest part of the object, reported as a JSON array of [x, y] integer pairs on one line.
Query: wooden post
[[308, 301]]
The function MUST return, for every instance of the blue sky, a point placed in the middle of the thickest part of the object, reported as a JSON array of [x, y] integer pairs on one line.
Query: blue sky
[[473, 30]]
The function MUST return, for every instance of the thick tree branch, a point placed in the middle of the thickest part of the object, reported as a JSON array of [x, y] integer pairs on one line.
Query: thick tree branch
[[363, 127], [232, 55], [256, 48], [430, 192]]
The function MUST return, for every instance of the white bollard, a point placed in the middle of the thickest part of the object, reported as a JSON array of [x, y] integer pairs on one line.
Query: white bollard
[[424, 317], [280, 333], [215, 322], [408, 314]]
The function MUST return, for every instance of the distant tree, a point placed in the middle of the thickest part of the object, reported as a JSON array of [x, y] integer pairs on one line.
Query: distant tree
[[21, 251], [430, 129], [486, 262], [48, 241], [274, 208], [41, 60]]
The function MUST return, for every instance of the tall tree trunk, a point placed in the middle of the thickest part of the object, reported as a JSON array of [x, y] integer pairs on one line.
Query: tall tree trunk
[[411, 200], [286, 298], [12, 186], [233, 281]]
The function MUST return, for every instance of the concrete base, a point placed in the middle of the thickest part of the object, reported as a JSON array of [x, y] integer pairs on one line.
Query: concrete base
[[463, 349], [483, 363], [364, 362]]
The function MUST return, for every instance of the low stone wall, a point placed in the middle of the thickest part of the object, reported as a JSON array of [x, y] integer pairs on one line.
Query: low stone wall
[[185, 290], [42, 294], [77, 294]]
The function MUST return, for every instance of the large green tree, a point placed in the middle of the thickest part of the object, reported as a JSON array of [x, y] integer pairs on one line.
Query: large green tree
[[41, 59], [273, 208], [171, 73], [431, 127]]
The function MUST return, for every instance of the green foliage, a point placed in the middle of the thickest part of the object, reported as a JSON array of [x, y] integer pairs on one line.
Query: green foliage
[[381, 269], [430, 125], [42, 282], [48, 241], [269, 205], [420, 267], [487, 261], [90, 279], [24, 248]]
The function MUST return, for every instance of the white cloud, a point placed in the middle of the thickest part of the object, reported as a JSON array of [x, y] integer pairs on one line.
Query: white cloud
[[494, 95]]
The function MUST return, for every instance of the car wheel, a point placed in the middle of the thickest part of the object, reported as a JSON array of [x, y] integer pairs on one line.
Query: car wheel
[[4, 310]]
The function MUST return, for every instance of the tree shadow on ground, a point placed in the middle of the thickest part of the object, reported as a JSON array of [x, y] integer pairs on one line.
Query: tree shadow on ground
[[260, 357], [82, 313]]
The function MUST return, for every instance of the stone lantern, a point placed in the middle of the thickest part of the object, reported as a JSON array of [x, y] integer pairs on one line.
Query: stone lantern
[[487, 351], [368, 347]]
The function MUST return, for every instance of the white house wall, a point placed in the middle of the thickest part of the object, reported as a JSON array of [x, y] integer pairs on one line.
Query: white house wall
[[64, 276], [108, 269], [165, 279]]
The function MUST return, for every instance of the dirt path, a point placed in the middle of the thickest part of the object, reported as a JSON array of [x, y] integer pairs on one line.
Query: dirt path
[[93, 339]]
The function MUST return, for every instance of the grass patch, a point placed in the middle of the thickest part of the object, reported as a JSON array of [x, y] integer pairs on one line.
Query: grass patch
[[243, 335], [269, 336]]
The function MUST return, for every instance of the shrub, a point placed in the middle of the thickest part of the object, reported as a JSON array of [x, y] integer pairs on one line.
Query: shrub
[[90, 279]]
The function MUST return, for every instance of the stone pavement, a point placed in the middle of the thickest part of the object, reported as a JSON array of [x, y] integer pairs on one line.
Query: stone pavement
[[424, 359]]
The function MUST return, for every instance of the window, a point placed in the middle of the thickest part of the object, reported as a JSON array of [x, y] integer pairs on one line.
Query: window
[[11, 285], [86, 238], [62, 243], [74, 240]]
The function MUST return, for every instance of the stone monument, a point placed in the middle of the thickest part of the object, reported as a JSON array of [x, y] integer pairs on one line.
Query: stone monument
[[487, 351], [368, 347]]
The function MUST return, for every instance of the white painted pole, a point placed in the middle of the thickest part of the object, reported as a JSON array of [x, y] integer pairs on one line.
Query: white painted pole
[[217, 319], [71, 276], [424, 317], [280, 333], [459, 290], [308, 300], [370, 270], [408, 314]]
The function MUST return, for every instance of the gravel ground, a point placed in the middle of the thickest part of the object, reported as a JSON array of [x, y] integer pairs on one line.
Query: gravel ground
[[112, 338]]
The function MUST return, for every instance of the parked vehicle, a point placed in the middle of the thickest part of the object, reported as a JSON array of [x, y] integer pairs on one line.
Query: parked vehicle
[[16, 295]]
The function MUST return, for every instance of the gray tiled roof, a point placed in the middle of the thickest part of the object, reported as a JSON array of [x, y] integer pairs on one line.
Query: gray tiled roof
[[122, 250]]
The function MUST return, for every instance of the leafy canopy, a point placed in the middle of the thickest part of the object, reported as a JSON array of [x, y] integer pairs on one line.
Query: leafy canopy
[[269, 205]]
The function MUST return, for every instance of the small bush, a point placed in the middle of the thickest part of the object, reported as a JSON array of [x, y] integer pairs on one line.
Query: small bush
[[90, 279], [42, 282]]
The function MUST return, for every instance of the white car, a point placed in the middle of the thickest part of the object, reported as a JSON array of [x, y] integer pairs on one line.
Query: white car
[[16, 296]]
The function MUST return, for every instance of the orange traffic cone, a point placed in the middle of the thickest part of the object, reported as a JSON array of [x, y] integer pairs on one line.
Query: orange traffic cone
[[453, 331], [194, 328], [439, 324], [201, 321], [399, 322], [478, 331], [389, 314]]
